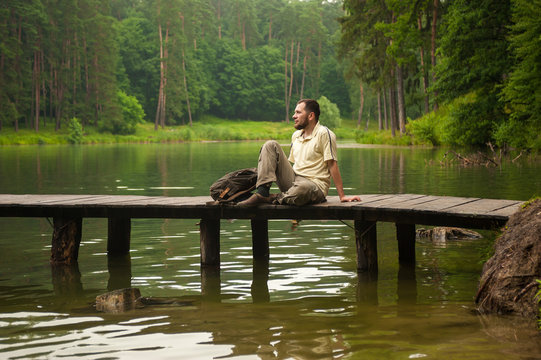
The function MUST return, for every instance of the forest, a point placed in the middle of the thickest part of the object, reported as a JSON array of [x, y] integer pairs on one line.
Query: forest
[[443, 72]]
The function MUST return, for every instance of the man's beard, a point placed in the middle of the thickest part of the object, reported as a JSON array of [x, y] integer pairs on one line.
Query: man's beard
[[301, 124]]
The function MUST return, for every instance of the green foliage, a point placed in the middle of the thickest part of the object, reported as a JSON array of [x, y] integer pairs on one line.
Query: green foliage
[[382, 137], [75, 131], [469, 120], [522, 91], [132, 114], [425, 129], [330, 114]]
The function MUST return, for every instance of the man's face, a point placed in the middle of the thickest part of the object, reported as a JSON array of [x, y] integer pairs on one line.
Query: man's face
[[300, 117]]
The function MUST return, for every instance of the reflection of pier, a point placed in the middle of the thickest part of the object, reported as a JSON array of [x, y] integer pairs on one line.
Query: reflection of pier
[[405, 210]]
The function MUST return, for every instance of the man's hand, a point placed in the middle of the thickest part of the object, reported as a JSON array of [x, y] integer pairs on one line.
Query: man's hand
[[350, 198]]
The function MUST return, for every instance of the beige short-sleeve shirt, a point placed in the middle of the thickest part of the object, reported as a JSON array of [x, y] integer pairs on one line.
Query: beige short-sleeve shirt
[[310, 155]]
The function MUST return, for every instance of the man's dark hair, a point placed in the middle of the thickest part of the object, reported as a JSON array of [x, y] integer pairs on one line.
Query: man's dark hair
[[311, 106]]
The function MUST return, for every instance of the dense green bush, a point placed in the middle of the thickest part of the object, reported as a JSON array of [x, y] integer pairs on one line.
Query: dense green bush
[[330, 114], [75, 131], [425, 129], [131, 114]]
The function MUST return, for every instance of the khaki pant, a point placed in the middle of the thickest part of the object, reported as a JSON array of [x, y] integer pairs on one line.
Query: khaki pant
[[273, 166]]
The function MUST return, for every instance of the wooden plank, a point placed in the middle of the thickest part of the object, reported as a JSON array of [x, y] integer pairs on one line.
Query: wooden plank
[[443, 202], [415, 202], [393, 200], [481, 206], [508, 210]]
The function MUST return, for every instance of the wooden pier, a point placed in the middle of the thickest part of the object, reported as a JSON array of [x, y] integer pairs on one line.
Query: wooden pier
[[405, 210]]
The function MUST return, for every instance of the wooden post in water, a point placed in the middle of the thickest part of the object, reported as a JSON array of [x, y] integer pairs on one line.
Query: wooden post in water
[[209, 236], [260, 239], [66, 240], [367, 247], [405, 235], [118, 238]]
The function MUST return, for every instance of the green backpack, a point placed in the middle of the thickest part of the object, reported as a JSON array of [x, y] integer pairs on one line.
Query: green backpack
[[234, 186]]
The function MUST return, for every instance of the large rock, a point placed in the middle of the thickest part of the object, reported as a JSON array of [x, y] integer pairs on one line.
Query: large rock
[[508, 282], [119, 300]]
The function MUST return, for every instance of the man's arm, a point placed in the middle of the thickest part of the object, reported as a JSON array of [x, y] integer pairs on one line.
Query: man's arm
[[337, 178]]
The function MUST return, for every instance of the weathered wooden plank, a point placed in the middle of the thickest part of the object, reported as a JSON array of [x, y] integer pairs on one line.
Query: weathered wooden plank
[[392, 200], [508, 210], [481, 206], [443, 202]]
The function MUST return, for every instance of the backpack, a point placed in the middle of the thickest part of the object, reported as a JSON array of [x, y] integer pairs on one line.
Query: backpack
[[234, 186]]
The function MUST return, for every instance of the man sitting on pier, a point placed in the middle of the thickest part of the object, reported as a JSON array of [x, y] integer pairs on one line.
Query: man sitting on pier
[[313, 154]]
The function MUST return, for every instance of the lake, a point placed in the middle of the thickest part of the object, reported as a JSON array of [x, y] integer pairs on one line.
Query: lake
[[308, 303]]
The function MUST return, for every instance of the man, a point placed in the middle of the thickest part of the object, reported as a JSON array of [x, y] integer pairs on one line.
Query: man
[[313, 154]]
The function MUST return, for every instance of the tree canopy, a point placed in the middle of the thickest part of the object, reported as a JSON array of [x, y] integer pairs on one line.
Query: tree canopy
[[108, 62]]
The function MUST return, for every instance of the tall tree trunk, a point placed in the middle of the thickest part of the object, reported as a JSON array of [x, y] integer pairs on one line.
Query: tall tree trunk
[[433, 48], [36, 86], [270, 28], [303, 76], [380, 123], [361, 105], [401, 100], [392, 102], [219, 20], [318, 76], [87, 76], [285, 85], [186, 89], [243, 39], [385, 108], [290, 76], [423, 67], [160, 111]]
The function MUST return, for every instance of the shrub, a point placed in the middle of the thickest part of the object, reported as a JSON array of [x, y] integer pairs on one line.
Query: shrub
[[330, 114], [424, 130], [75, 131]]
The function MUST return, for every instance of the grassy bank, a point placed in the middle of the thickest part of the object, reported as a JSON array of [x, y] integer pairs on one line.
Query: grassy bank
[[207, 129]]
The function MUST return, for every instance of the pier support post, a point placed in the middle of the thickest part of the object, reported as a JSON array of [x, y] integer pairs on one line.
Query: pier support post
[[260, 239], [209, 236], [118, 239], [66, 240], [405, 235], [367, 248]]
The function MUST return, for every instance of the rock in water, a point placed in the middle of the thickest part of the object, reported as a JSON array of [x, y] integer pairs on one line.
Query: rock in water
[[119, 300], [443, 233], [508, 282]]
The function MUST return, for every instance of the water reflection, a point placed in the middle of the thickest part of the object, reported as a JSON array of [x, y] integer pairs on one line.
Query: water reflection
[[66, 279], [120, 274]]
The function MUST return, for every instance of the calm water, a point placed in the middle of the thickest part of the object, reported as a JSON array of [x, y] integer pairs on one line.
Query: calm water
[[309, 303]]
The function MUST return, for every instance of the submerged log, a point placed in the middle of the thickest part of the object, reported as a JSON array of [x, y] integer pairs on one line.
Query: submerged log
[[119, 300], [122, 300], [443, 233]]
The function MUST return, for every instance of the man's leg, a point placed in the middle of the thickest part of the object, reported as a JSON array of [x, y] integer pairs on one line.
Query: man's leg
[[272, 166], [302, 192]]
